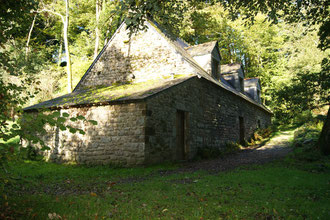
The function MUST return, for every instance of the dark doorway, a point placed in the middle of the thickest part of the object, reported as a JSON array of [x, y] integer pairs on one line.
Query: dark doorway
[[241, 130], [181, 149]]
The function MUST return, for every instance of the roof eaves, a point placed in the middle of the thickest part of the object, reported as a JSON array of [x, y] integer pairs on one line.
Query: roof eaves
[[57, 103]]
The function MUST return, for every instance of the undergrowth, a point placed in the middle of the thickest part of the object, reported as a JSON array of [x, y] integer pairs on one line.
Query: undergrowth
[[305, 142]]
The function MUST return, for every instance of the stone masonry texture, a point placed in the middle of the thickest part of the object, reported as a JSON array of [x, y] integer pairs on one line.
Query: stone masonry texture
[[118, 138], [144, 56], [213, 118], [143, 131]]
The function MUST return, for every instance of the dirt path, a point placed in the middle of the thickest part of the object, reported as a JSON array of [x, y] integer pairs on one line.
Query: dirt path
[[276, 148]]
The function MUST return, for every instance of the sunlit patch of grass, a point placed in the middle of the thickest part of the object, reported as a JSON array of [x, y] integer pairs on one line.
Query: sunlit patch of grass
[[276, 190], [285, 189]]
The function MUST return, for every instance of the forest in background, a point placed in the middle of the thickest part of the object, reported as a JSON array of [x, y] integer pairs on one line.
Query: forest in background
[[46, 46], [285, 56], [284, 43]]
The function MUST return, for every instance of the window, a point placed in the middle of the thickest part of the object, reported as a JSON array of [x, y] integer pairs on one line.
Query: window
[[181, 135]]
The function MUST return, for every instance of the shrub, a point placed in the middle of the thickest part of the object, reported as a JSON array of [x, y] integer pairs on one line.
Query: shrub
[[304, 143], [231, 147], [212, 152], [265, 133], [258, 136], [303, 117]]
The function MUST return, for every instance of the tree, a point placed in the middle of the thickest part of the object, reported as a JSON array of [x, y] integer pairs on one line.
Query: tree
[[308, 12], [324, 139], [17, 74], [65, 21], [98, 9]]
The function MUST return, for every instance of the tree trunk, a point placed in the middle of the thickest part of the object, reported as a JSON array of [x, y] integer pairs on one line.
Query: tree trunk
[[324, 139], [97, 34], [66, 46], [60, 53], [27, 49]]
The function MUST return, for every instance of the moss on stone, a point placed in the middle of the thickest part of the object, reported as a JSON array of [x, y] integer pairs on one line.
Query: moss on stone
[[116, 91]]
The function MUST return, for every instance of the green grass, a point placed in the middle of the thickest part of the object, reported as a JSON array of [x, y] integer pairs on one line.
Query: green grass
[[291, 188], [284, 189]]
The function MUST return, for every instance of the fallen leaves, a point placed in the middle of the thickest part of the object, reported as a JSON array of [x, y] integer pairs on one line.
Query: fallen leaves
[[93, 194], [54, 216]]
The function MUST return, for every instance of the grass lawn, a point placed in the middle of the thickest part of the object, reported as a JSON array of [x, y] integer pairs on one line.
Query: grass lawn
[[290, 188], [283, 189]]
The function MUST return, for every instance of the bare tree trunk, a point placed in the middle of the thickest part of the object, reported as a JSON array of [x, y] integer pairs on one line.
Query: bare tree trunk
[[60, 52], [66, 46], [27, 49], [97, 34], [65, 21]]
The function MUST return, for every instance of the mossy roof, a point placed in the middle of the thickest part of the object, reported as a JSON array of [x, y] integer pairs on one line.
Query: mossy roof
[[110, 94]]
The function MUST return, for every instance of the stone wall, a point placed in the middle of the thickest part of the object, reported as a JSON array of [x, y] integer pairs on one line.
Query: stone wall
[[144, 56], [212, 118], [145, 132], [118, 138]]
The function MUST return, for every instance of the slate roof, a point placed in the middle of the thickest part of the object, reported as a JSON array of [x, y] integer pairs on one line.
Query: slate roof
[[230, 68], [251, 81], [108, 94], [201, 49], [200, 72]]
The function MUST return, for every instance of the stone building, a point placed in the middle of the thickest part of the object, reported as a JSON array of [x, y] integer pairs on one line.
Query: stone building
[[155, 99]]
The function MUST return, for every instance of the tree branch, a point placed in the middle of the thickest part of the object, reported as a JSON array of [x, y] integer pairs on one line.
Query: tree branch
[[52, 12]]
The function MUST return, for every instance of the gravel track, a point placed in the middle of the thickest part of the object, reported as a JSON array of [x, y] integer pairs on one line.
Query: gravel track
[[276, 148]]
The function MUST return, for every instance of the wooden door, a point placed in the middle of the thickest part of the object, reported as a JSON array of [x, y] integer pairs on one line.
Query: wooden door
[[180, 135]]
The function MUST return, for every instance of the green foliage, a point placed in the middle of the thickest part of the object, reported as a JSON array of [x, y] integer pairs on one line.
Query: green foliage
[[170, 13], [305, 139], [265, 132], [231, 147], [279, 45], [284, 56], [308, 12], [303, 117]]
